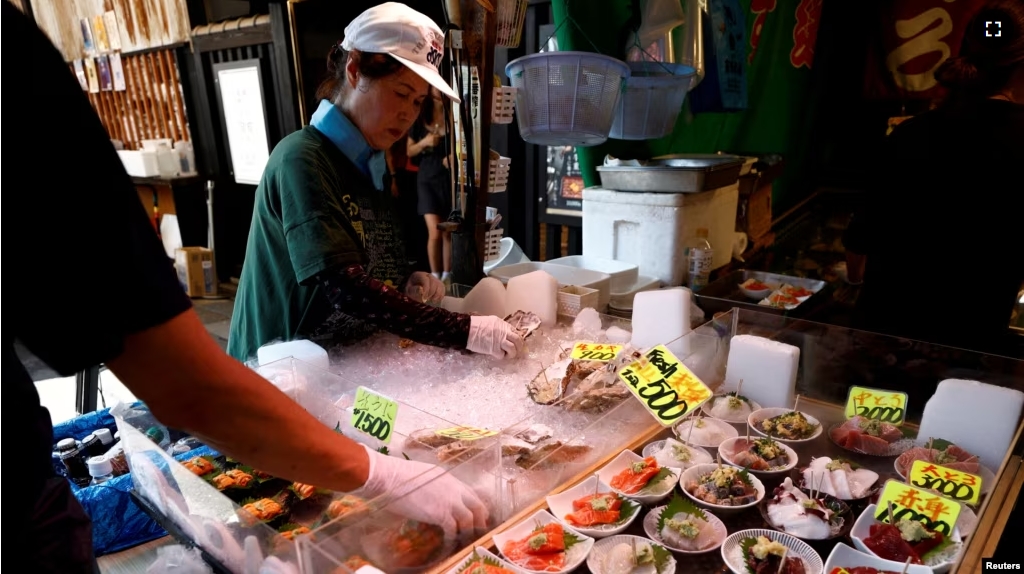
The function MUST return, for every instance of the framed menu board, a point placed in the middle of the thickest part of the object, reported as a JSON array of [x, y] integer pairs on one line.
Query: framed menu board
[[243, 113]]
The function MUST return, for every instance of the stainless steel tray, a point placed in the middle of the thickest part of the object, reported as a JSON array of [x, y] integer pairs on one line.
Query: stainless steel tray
[[724, 293], [677, 174]]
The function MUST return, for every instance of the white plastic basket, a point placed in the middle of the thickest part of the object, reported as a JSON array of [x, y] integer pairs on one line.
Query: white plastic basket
[[497, 175], [572, 299], [511, 17], [492, 244], [566, 98], [652, 100], [503, 104]]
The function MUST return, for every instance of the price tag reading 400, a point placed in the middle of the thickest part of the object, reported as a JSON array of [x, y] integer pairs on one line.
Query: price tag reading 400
[[886, 406], [664, 385], [935, 512], [595, 352], [958, 485], [374, 414]]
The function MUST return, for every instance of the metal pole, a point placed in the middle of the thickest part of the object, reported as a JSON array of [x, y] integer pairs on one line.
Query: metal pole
[[209, 241], [87, 385]]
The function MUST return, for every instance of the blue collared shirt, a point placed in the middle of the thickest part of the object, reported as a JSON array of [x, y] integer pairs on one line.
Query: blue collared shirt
[[330, 121]]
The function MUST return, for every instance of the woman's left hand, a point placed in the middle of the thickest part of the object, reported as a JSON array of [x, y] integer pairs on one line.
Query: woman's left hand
[[424, 287]]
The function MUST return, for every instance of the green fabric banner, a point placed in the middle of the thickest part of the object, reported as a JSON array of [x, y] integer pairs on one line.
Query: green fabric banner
[[780, 35]]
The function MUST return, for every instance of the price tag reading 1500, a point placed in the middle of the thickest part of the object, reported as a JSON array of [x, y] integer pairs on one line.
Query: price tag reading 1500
[[374, 414]]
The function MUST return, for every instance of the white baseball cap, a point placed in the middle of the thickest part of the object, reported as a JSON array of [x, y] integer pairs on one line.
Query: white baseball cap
[[406, 35]]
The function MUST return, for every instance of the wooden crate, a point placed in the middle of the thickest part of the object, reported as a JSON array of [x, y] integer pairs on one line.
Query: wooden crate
[[754, 214]]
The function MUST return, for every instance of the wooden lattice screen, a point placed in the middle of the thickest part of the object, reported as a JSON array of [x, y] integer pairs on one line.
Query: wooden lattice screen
[[150, 107]]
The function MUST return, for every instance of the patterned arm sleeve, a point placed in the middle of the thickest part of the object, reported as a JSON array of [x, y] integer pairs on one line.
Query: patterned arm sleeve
[[353, 291]]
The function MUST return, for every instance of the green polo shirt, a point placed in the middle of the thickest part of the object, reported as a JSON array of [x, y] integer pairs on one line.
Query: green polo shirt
[[315, 212]]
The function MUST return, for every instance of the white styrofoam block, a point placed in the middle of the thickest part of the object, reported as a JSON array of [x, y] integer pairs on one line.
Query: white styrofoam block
[[487, 298], [661, 318], [307, 351], [767, 368], [979, 417], [651, 229], [536, 292]]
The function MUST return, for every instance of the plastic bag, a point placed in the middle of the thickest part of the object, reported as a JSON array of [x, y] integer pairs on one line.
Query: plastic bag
[[659, 18], [725, 85], [177, 559]]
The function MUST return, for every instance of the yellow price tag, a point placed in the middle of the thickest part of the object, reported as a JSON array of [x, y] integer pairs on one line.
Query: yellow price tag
[[595, 352], [374, 414], [465, 433], [886, 406], [935, 512], [958, 485], [664, 385]]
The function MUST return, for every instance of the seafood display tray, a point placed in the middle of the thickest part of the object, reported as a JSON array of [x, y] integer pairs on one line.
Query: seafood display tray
[[675, 174], [724, 293]]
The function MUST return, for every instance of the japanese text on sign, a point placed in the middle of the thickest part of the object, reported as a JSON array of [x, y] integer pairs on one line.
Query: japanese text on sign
[[595, 352], [664, 385], [465, 433], [935, 512], [374, 414], [886, 406], [960, 486]]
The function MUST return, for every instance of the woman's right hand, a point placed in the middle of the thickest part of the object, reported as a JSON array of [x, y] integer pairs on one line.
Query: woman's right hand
[[489, 335], [429, 141]]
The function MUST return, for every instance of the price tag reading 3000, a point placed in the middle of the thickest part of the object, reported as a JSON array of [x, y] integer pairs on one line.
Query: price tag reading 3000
[[374, 414], [664, 385], [956, 484]]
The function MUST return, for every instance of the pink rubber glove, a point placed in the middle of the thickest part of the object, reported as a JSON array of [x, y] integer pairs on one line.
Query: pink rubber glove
[[489, 335], [440, 498], [424, 288]]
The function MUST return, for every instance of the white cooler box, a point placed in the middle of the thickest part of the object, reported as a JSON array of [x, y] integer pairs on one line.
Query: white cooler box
[[651, 229]]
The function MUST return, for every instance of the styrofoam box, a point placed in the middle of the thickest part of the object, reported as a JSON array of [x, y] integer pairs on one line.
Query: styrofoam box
[[140, 163], [623, 274], [651, 229], [563, 274]]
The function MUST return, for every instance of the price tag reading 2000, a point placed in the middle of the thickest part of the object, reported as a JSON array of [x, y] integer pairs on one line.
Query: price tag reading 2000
[[595, 352], [886, 406], [374, 414], [664, 385]]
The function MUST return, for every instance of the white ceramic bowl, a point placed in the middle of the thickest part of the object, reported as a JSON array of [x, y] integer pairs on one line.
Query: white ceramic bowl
[[756, 294], [652, 449], [481, 552], [708, 404], [575, 556], [694, 472], [757, 417], [595, 561], [988, 478], [651, 528], [682, 431], [862, 530], [732, 553], [622, 462], [843, 556], [729, 448], [561, 504]]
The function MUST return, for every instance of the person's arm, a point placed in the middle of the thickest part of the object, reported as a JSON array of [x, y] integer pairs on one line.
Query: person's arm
[[416, 148], [190, 384]]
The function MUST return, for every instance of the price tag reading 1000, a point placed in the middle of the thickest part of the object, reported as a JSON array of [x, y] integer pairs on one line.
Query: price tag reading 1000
[[374, 414]]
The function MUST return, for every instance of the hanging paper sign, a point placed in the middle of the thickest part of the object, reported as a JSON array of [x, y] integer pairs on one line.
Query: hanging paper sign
[[664, 385], [935, 512], [465, 433], [886, 406], [595, 352], [958, 485], [374, 414]]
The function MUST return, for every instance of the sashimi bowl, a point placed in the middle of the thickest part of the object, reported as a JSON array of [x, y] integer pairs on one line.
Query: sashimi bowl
[[730, 407], [939, 561], [593, 508], [740, 546], [670, 452], [847, 558], [684, 528], [871, 437], [707, 432], [841, 478], [620, 555], [533, 533], [734, 491], [483, 556], [796, 519], [628, 470], [784, 425], [753, 455], [945, 453]]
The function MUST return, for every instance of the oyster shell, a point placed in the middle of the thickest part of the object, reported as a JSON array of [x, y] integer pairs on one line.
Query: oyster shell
[[429, 439], [559, 454], [535, 434], [457, 451], [524, 322], [511, 446], [550, 384]]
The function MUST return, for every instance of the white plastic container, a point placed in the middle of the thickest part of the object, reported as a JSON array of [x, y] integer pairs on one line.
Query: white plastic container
[[139, 163], [650, 229], [509, 253], [623, 274], [624, 299], [307, 351], [564, 275]]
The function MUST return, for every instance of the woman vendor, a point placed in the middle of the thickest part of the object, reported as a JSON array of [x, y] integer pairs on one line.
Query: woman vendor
[[325, 260]]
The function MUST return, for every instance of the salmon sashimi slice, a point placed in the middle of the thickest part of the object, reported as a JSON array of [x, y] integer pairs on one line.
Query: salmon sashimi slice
[[635, 477], [591, 517], [481, 567], [517, 553], [610, 499], [547, 539]]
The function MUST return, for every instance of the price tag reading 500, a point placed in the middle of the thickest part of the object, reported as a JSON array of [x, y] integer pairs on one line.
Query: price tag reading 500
[[886, 406], [374, 414], [664, 385], [595, 352]]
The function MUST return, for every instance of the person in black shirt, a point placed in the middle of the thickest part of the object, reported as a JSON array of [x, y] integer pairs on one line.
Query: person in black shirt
[[427, 146], [89, 283], [938, 244]]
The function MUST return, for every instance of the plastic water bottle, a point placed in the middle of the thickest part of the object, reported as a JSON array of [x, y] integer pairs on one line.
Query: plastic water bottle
[[699, 256], [100, 469]]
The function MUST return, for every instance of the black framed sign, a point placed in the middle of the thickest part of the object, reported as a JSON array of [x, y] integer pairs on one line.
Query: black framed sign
[[243, 114]]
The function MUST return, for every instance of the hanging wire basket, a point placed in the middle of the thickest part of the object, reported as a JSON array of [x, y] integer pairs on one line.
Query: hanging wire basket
[[511, 17], [497, 174], [651, 101]]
